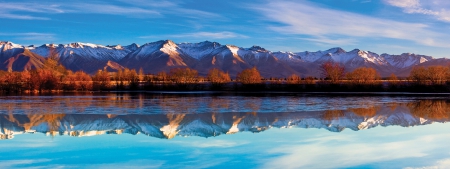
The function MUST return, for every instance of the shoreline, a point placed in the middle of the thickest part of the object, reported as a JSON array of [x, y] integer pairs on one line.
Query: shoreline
[[228, 93]]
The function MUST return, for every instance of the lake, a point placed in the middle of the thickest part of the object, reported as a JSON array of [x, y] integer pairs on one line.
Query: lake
[[213, 130]]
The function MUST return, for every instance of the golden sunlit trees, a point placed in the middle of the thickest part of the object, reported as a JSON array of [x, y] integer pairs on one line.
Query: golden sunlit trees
[[294, 79], [84, 81], [78, 81], [132, 78], [101, 80], [393, 79], [363, 76], [141, 74], [10, 81], [310, 80], [436, 75], [127, 77], [249, 76], [332, 71], [217, 76], [46, 79], [162, 77], [183, 75], [418, 74], [119, 79]]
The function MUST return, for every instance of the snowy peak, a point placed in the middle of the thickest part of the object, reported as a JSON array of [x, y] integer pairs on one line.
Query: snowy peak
[[6, 45], [148, 49], [257, 49], [169, 46], [199, 50], [406, 60], [132, 47], [288, 56], [335, 50], [117, 47], [83, 45]]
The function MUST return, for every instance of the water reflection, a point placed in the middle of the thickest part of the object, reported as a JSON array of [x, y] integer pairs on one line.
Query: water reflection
[[167, 116]]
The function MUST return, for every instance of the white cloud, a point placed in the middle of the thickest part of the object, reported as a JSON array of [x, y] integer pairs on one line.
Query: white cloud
[[404, 3], [14, 163], [445, 163], [132, 8], [31, 7], [171, 7], [436, 8], [201, 35], [111, 10], [30, 36], [308, 19], [18, 10], [24, 17], [325, 40]]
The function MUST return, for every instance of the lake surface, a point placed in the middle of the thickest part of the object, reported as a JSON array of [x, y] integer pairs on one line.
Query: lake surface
[[207, 130]]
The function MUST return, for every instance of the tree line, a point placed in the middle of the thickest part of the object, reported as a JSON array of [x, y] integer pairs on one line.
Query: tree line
[[52, 76]]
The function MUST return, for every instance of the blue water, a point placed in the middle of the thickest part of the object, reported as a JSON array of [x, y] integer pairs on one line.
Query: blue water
[[223, 131]]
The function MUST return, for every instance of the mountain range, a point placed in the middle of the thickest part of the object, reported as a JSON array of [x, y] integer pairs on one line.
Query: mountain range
[[164, 55]]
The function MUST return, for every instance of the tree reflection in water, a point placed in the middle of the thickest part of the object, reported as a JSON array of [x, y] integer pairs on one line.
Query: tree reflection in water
[[167, 116]]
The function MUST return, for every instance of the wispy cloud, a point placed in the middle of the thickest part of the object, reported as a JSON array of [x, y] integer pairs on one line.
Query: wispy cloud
[[24, 17], [324, 40], [10, 10], [173, 8], [207, 35], [30, 36], [439, 164], [308, 19], [132, 8], [16, 163], [23, 10], [366, 1], [111, 10], [436, 8], [411, 6], [36, 7]]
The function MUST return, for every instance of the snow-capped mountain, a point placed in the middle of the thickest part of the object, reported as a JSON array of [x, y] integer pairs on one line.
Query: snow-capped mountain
[[16, 57], [164, 55], [84, 56], [214, 124], [405, 60]]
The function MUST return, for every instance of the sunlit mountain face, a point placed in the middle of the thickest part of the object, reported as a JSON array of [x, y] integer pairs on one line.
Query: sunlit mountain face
[[207, 115], [164, 55]]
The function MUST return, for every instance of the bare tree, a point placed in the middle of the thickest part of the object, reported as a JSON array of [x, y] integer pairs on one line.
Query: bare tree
[[249, 76], [332, 71], [217, 76]]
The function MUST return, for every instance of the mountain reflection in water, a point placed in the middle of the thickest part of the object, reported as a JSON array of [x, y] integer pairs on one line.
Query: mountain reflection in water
[[165, 116]]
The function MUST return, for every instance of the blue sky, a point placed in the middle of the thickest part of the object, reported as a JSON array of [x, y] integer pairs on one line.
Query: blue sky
[[381, 26]]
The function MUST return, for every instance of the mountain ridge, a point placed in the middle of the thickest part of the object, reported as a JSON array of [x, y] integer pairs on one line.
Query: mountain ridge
[[164, 55]]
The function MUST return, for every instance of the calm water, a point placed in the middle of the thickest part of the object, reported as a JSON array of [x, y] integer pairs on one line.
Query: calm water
[[224, 131]]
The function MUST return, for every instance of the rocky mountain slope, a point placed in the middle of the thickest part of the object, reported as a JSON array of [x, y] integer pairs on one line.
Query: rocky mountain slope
[[164, 55]]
